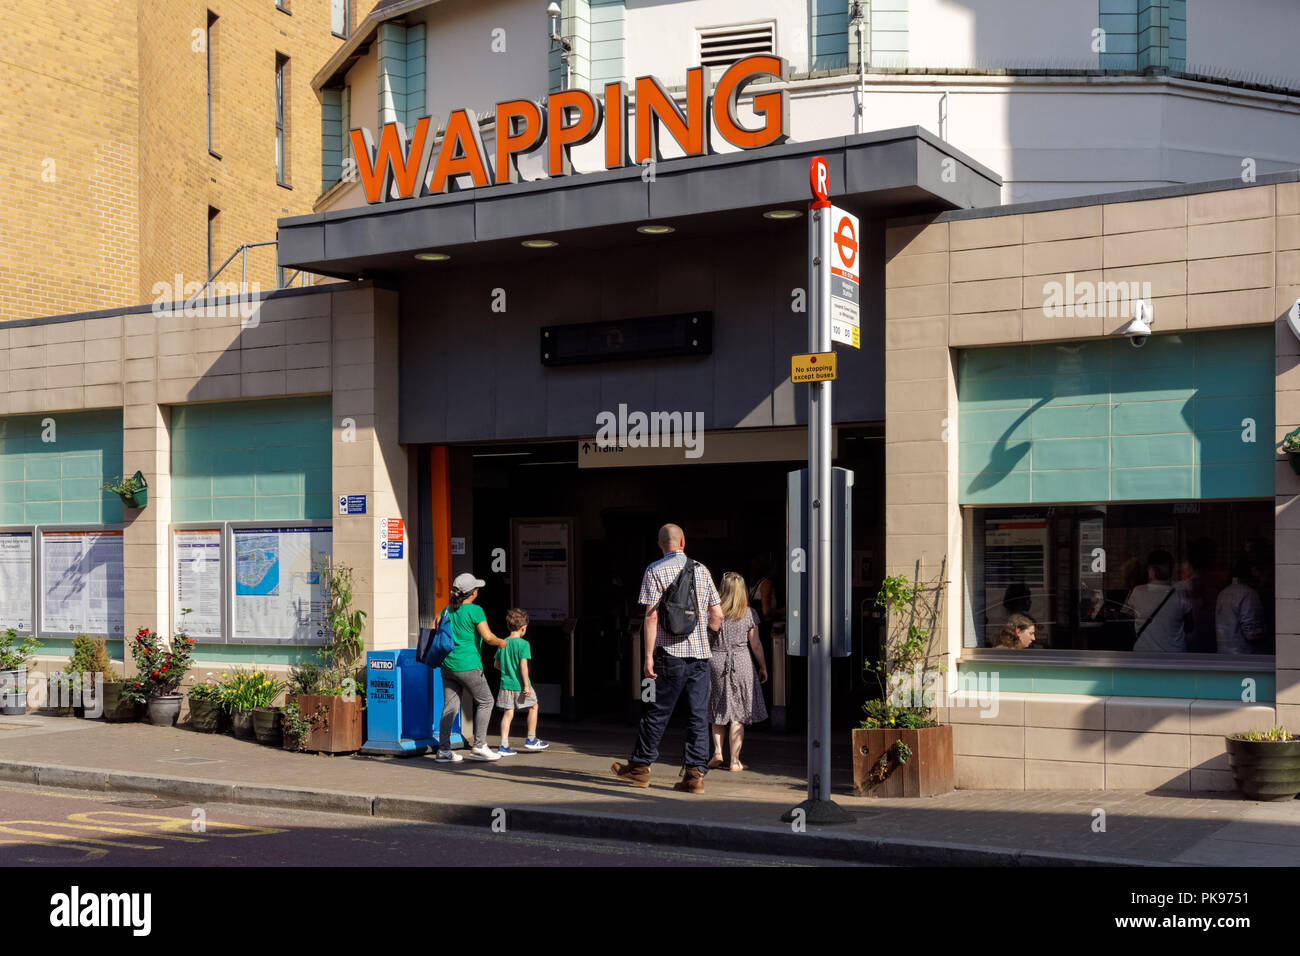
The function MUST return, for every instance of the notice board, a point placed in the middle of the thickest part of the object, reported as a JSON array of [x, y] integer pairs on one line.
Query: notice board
[[543, 567], [81, 582], [16, 581], [196, 582], [279, 595]]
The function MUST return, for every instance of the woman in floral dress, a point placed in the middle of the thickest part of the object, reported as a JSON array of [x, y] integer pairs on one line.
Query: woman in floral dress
[[735, 695]]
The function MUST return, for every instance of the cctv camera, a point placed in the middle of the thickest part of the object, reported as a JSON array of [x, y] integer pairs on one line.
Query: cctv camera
[[1139, 329]]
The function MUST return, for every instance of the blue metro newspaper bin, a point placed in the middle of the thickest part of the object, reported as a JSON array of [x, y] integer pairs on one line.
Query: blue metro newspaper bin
[[403, 705]]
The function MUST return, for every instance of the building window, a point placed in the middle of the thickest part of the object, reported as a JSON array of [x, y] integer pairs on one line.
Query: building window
[[401, 55], [722, 46], [281, 119], [340, 17], [210, 49], [830, 34], [1161, 579], [214, 227]]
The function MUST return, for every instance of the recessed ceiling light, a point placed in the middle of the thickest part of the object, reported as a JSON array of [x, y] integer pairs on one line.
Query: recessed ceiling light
[[432, 256], [540, 243], [656, 230], [782, 214]]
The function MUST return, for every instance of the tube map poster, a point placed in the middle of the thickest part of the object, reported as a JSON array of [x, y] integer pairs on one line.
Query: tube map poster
[[278, 592]]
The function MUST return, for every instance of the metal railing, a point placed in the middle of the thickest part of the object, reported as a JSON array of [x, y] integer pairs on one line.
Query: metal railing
[[242, 253]]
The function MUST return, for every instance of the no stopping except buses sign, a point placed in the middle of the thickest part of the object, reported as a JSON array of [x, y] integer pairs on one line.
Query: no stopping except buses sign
[[845, 259], [813, 367]]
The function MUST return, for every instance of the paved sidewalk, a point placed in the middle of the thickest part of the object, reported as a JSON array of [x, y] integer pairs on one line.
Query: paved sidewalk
[[569, 790]]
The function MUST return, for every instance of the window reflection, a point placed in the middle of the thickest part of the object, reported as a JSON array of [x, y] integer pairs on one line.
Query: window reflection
[[1155, 579]]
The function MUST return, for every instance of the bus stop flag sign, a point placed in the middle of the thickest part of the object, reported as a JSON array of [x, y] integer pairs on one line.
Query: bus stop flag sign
[[845, 297]]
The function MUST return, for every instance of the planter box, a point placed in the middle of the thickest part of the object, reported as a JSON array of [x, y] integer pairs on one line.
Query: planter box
[[266, 726], [13, 692], [1265, 769], [241, 724], [117, 709], [338, 728], [928, 773], [61, 691], [207, 717], [1294, 456]]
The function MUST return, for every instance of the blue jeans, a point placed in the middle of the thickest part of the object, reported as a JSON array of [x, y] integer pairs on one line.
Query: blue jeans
[[677, 676]]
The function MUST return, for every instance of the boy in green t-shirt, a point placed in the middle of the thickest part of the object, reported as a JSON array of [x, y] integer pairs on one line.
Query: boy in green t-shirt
[[516, 688]]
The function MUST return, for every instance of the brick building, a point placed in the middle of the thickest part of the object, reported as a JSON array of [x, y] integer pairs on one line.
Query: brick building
[[109, 180]]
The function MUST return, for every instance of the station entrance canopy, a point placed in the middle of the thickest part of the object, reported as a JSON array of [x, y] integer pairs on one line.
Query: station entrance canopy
[[884, 174]]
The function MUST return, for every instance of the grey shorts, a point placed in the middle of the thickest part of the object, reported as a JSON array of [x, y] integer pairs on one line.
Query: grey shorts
[[515, 700]]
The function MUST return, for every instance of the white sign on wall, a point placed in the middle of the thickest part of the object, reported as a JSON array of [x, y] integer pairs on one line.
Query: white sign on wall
[[16, 580], [81, 576], [196, 582], [278, 593], [543, 568]]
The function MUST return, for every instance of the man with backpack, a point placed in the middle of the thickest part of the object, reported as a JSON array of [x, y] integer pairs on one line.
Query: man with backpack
[[682, 607]]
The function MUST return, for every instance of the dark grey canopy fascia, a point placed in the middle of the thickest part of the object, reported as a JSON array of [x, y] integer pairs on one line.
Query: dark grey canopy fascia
[[881, 174]]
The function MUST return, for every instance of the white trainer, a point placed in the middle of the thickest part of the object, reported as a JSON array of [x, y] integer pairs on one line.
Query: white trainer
[[483, 753], [448, 756]]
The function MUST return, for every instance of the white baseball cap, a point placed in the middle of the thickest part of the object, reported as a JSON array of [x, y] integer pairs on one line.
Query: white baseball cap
[[466, 582]]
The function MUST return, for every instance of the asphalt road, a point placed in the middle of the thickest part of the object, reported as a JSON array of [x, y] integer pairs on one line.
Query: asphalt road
[[45, 826]]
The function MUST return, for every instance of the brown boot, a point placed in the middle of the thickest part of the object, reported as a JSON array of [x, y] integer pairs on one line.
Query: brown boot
[[637, 774], [692, 781]]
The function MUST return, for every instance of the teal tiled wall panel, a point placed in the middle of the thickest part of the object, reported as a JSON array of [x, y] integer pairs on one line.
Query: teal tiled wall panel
[[60, 481], [1103, 421], [1032, 678], [248, 461]]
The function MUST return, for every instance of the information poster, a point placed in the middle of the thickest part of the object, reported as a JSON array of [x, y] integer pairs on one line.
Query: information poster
[[16, 581], [81, 576], [543, 569], [1015, 572], [279, 596], [196, 583]]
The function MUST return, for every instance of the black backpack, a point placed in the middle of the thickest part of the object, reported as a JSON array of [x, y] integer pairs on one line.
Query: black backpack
[[679, 606]]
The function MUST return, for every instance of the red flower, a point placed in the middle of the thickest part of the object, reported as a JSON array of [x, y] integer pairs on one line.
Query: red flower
[[137, 683], [164, 670]]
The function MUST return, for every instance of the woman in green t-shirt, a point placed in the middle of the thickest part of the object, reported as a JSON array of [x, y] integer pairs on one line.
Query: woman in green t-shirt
[[462, 670]]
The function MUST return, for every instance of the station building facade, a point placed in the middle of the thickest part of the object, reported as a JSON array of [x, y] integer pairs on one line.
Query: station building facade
[[1015, 442], [428, 413]]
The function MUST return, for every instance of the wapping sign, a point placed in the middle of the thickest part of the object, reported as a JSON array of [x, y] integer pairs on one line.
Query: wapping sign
[[399, 166]]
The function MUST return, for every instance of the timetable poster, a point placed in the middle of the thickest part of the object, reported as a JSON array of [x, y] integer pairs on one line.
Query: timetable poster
[[196, 583], [279, 592], [544, 568], [1015, 573], [16, 581], [81, 577]]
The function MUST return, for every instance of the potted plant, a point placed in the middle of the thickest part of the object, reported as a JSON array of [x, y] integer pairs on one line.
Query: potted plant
[[266, 716], [1291, 445], [323, 710], [238, 698], [206, 714], [900, 750], [1265, 763], [15, 656], [134, 491], [90, 669], [160, 670]]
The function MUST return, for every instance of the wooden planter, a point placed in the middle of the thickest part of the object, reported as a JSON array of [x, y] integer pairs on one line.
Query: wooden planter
[[927, 773], [336, 722], [1294, 456]]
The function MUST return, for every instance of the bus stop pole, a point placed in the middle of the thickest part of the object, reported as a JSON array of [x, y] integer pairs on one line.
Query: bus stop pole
[[819, 808]]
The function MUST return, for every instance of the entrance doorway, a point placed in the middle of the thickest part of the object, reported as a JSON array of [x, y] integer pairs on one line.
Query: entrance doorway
[[734, 518]]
